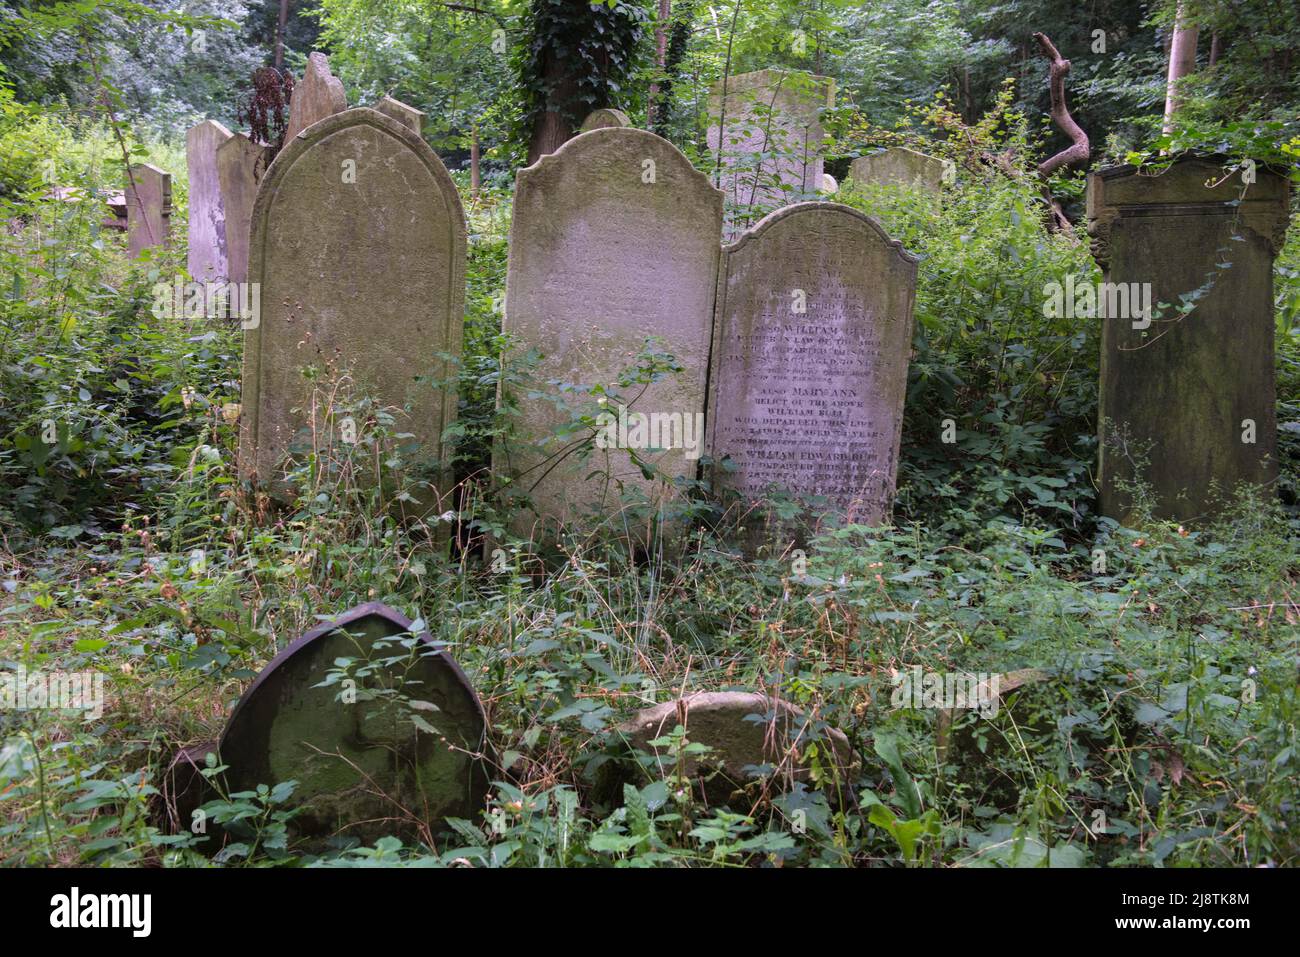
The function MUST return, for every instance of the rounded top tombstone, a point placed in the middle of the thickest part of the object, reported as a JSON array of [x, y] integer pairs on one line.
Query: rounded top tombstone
[[380, 729]]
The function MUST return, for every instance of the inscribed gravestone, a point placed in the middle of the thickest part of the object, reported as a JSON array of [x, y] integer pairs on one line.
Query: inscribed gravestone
[[812, 336], [358, 242], [899, 166], [342, 752], [604, 119], [208, 255], [319, 94], [240, 166], [614, 238], [148, 208], [769, 112], [408, 116], [1192, 394]]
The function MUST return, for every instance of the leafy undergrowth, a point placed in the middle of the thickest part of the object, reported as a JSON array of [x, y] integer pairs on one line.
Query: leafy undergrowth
[[1165, 733]]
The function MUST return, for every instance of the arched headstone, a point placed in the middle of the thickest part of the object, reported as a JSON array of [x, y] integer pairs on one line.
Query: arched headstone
[[614, 238], [604, 119], [358, 242], [812, 339], [367, 764]]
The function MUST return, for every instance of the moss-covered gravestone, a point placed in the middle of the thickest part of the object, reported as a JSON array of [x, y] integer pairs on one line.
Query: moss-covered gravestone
[[810, 354], [614, 239], [899, 166], [391, 743], [1187, 398], [358, 242]]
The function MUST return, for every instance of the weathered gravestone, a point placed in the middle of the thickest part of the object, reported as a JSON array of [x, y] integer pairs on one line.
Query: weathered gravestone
[[408, 116], [811, 344], [769, 132], [386, 752], [604, 119], [358, 242], [829, 184], [1193, 395], [752, 736], [614, 238], [899, 166], [208, 255], [148, 208], [317, 95], [240, 166]]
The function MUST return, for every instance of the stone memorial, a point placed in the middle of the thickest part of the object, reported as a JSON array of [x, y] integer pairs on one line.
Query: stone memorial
[[208, 257], [148, 208], [1193, 396], [750, 735], [358, 243], [240, 166], [766, 112], [614, 238], [367, 765], [317, 95], [604, 119], [408, 116], [811, 344], [899, 166]]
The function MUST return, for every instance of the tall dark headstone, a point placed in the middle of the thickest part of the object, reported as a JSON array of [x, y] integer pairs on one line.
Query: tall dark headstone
[[1192, 395]]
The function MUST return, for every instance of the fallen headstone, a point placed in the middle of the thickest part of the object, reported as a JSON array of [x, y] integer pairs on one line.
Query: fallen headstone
[[753, 738]]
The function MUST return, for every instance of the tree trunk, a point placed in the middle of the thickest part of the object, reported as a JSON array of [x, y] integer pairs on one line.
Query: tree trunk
[[279, 34], [1182, 61], [475, 177], [552, 129], [661, 57]]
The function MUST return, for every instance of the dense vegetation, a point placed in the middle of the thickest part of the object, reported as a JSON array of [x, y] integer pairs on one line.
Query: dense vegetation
[[1166, 733]]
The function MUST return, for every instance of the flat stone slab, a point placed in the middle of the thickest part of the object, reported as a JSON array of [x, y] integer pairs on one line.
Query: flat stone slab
[[364, 769], [745, 730]]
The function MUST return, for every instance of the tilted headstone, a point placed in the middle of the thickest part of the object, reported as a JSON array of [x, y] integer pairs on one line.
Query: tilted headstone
[[367, 764], [1193, 395], [614, 238], [317, 95], [241, 164], [771, 151], [899, 166], [408, 116], [604, 119], [208, 253], [148, 208], [358, 242], [812, 339]]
